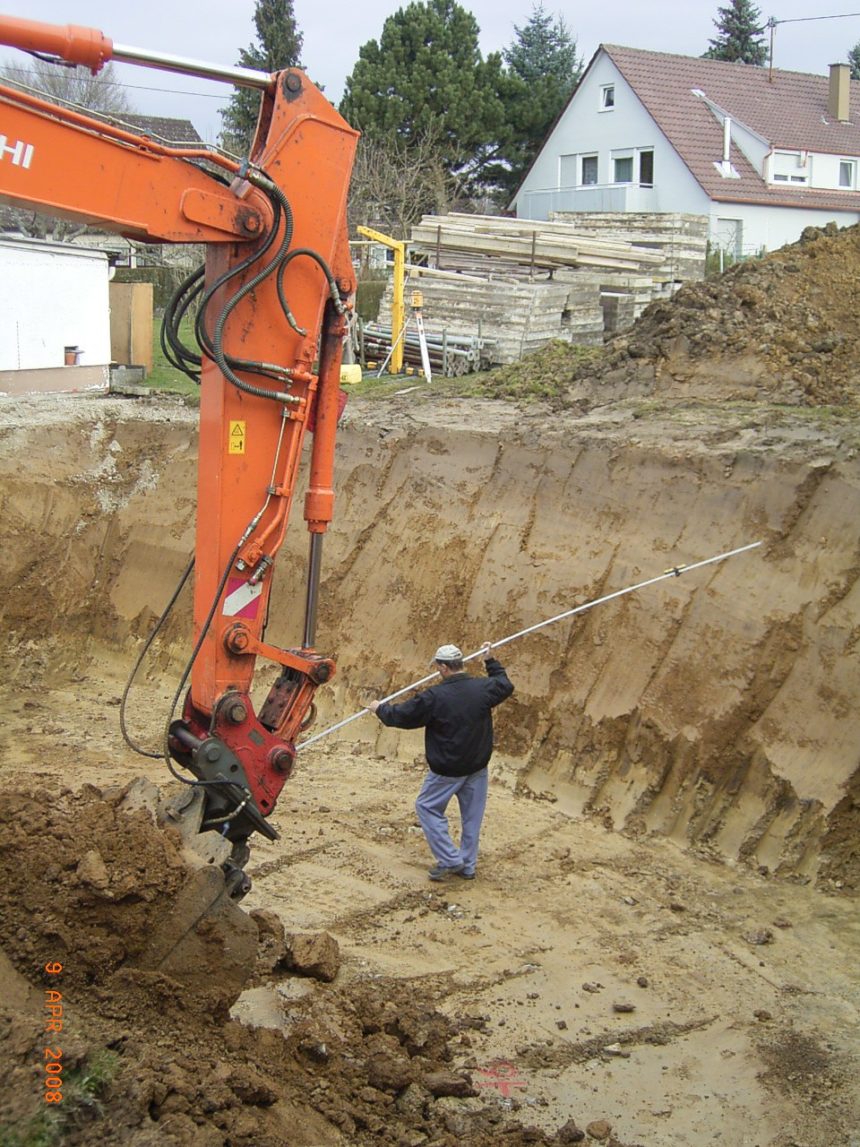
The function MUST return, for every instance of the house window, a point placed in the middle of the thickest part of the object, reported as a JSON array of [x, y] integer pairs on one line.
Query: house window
[[567, 165], [646, 168], [607, 97], [728, 237], [589, 170], [847, 173], [622, 169], [790, 167]]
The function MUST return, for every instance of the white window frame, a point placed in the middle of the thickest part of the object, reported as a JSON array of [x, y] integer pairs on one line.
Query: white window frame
[[566, 162], [784, 170], [640, 151], [607, 97], [851, 166], [623, 157]]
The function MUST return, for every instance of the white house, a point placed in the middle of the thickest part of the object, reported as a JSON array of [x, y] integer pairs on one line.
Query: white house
[[762, 152], [54, 316]]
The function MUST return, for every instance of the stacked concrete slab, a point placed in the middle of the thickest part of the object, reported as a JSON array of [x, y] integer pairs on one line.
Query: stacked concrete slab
[[681, 239], [518, 284], [456, 240], [512, 317]]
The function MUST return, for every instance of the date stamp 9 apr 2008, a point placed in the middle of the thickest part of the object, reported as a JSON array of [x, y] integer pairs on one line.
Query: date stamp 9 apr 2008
[[53, 1063]]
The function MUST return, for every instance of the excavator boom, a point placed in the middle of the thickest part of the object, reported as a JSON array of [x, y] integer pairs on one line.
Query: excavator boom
[[272, 302]]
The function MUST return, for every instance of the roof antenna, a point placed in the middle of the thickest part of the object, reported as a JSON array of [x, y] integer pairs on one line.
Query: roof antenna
[[771, 24]]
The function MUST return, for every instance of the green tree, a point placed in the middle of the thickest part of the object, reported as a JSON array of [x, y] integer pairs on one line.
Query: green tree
[[543, 69], [854, 61], [425, 78], [740, 39], [279, 45]]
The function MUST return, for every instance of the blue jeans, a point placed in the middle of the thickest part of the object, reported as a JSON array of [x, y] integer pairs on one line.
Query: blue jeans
[[432, 802]]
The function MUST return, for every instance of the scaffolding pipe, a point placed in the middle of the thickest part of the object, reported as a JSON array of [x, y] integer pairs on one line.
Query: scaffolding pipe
[[675, 571]]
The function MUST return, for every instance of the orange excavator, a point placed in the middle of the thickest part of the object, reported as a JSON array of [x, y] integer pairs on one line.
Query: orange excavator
[[271, 303]]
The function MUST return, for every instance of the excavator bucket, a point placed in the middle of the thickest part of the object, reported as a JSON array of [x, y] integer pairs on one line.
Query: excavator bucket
[[204, 939]]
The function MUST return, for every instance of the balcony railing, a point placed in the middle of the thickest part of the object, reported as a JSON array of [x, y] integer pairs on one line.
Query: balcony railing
[[539, 204]]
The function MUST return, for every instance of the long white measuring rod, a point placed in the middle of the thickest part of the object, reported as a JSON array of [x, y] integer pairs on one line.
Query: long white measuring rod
[[675, 571]]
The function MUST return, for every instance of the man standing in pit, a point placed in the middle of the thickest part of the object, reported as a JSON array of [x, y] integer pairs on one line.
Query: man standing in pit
[[456, 716]]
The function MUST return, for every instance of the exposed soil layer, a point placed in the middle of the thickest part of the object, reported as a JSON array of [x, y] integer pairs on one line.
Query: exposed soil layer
[[782, 325], [661, 945]]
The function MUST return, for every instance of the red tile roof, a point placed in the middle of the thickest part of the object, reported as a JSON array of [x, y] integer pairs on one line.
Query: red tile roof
[[175, 131], [788, 109]]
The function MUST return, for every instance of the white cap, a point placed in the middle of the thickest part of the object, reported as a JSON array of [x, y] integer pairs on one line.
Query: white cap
[[447, 653]]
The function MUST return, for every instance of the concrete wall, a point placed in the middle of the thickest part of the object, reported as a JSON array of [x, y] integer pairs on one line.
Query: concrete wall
[[768, 228], [52, 297]]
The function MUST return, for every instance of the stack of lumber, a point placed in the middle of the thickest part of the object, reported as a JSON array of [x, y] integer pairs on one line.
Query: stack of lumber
[[448, 240], [681, 239]]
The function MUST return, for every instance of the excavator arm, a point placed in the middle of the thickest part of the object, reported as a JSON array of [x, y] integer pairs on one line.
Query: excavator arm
[[272, 302]]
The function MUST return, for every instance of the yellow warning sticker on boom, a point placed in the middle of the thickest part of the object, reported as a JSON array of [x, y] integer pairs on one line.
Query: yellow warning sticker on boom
[[236, 443]]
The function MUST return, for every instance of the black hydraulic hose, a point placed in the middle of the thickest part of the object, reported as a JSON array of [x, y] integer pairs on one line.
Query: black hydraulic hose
[[332, 284], [218, 336], [179, 355], [184, 680], [146, 647], [202, 334]]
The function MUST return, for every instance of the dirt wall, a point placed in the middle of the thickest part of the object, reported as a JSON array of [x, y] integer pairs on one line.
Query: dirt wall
[[715, 708]]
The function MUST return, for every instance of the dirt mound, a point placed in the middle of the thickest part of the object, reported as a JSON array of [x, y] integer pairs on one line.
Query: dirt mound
[[791, 315], [145, 1059], [780, 329]]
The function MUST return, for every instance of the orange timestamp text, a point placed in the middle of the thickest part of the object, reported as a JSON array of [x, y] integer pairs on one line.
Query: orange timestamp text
[[53, 1066]]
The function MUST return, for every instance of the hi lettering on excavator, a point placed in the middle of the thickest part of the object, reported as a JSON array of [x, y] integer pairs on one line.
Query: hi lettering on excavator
[[272, 300]]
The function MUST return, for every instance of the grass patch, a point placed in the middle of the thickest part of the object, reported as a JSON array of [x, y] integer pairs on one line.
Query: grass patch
[[544, 374], [165, 377], [82, 1092]]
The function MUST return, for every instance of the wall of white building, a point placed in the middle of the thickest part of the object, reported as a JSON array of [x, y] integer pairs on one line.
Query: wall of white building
[[586, 128], [745, 229], [52, 296]]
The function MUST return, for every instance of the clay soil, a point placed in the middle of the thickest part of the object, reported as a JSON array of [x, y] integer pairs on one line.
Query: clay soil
[[661, 945]]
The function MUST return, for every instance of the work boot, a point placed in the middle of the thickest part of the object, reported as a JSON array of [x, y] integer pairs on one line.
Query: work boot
[[443, 871]]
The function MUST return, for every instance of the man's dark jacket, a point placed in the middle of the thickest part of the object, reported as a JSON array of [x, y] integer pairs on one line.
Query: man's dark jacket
[[458, 738]]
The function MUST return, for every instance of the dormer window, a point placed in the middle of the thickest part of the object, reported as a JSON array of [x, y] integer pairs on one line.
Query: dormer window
[[607, 97], [790, 167], [847, 174]]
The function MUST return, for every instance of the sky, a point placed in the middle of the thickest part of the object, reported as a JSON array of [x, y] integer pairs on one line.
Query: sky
[[334, 30]]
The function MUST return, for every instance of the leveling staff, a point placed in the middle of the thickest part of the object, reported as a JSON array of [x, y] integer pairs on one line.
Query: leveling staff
[[457, 718]]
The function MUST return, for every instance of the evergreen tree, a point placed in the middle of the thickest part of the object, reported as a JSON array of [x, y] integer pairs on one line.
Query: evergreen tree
[[740, 39], [279, 45], [854, 61], [543, 70], [425, 77], [544, 45]]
